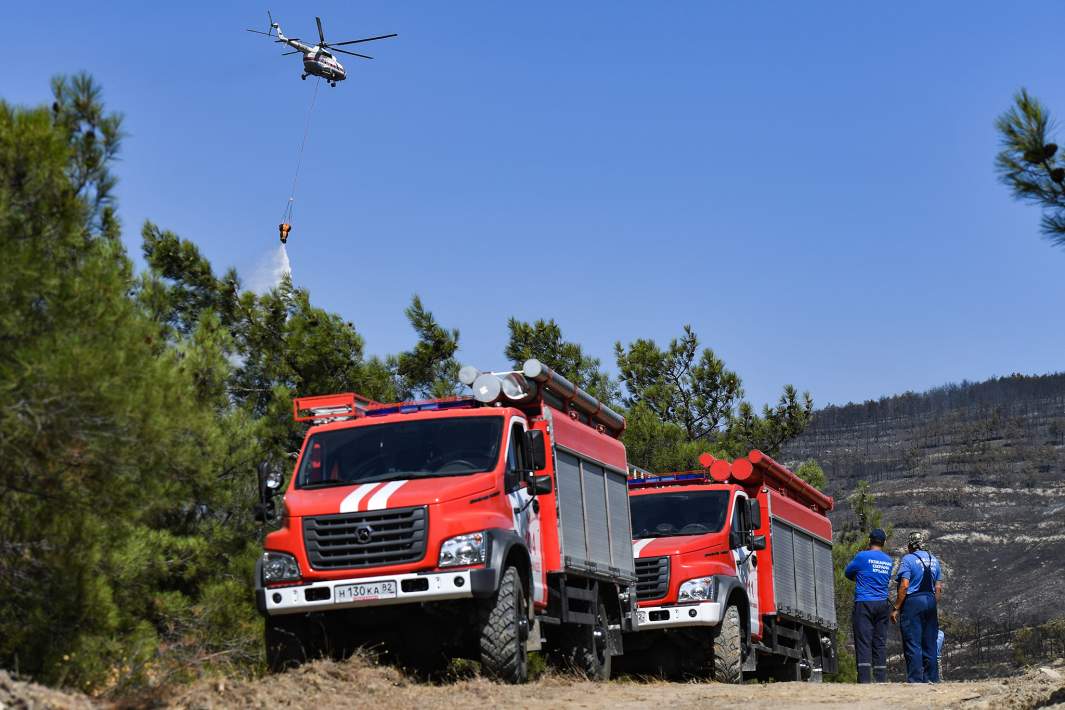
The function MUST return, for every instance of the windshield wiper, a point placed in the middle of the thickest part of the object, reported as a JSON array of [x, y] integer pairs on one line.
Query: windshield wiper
[[437, 474], [390, 476], [371, 479], [646, 533]]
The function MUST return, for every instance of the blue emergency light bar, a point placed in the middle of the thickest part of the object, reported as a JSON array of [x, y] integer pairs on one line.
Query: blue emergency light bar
[[430, 406], [671, 478]]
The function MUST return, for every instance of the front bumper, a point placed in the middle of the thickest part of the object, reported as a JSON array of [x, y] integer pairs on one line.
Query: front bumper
[[321, 596], [678, 615]]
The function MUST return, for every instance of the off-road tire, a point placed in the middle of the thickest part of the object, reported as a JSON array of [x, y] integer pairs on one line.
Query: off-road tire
[[288, 642], [503, 623], [582, 649], [727, 651]]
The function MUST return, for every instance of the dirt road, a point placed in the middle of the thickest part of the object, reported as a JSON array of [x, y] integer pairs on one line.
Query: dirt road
[[359, 684]]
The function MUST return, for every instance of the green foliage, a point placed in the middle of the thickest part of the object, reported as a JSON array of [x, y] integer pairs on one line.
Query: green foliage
[[1043, 642], [543, 340], [811, 472], [657, 445], [94, 138], [685, 389], [680, 384], [108, 432], [1030, 164], [775, 427], [430, 369]]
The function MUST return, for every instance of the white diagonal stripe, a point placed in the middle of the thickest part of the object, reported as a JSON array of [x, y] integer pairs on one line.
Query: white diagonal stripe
[[379, 499], [350, 504], [637, 547]]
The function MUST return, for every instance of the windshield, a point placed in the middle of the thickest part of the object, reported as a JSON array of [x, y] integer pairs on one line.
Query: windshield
[[416, 449], [680, 513]]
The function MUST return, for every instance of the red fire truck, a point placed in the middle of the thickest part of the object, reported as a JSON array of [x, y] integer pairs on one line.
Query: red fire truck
[[734, 569], [479, 527]]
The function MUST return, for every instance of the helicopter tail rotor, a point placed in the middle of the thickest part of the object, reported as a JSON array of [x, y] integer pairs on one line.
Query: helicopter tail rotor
[[270, 29]]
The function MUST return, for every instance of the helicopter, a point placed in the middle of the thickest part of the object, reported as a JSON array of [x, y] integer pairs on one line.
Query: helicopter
[[318, 59]]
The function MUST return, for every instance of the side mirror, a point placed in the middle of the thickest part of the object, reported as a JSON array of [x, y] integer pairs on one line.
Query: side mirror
[[270, 479], [757, 542], [754, 513], [536, 449], [540, 485]]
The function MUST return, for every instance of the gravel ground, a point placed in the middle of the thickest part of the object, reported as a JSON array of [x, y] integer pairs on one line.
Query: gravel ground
[[357, 683]]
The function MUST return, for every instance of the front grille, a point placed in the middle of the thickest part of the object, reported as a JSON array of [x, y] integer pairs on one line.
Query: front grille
[[388, 537], [652, 577]]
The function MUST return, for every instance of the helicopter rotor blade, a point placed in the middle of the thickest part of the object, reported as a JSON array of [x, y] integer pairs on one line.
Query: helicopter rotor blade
[[285, 54], [344, 51], [260, 32], [287, 40], [321, 35], [367, 39]]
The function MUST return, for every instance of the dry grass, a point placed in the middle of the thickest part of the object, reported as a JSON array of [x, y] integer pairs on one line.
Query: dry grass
[[360, 683]]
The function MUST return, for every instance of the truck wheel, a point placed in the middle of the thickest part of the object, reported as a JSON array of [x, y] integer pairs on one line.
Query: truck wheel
[[728, 648], [504, 628], [288, 642], [584, 648]]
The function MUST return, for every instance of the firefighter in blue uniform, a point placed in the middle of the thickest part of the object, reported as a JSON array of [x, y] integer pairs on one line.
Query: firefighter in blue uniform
[[918, 599], [870, 570]]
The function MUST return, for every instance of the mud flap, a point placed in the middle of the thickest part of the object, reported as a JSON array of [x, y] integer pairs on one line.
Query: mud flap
[[535, 641], [750, 661], [614, 637]]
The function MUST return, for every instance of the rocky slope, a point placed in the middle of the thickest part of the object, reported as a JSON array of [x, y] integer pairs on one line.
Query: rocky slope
[[980, 468]]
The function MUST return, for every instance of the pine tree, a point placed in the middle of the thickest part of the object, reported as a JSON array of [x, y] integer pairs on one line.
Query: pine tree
[[694, 390], [1029, 163], [543, 340], [106, 429]]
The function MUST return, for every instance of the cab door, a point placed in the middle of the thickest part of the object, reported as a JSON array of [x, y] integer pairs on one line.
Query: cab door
[[525, 509], [745, 559]]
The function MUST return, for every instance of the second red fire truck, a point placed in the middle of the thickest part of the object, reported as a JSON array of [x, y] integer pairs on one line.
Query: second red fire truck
[[734, 573]]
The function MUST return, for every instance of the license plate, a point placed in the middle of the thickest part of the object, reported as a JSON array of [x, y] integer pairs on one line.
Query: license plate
[[365, 592]]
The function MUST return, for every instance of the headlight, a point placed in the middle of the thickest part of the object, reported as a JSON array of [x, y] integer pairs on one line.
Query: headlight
[[701, 589], [463, 550], [280, 567]]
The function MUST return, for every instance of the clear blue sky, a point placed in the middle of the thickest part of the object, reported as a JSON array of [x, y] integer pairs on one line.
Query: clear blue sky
[[810, 185]]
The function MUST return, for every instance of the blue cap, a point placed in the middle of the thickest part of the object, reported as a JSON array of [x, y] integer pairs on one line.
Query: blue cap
[[878, 536]]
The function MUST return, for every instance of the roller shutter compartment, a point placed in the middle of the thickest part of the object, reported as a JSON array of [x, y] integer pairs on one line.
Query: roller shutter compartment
[[783, 565], [596, 514], [823, 572], [571, 505], [617, 494]]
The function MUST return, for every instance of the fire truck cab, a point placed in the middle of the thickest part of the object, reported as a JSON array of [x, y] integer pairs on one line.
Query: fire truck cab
[[735, 576], [479, 527]]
